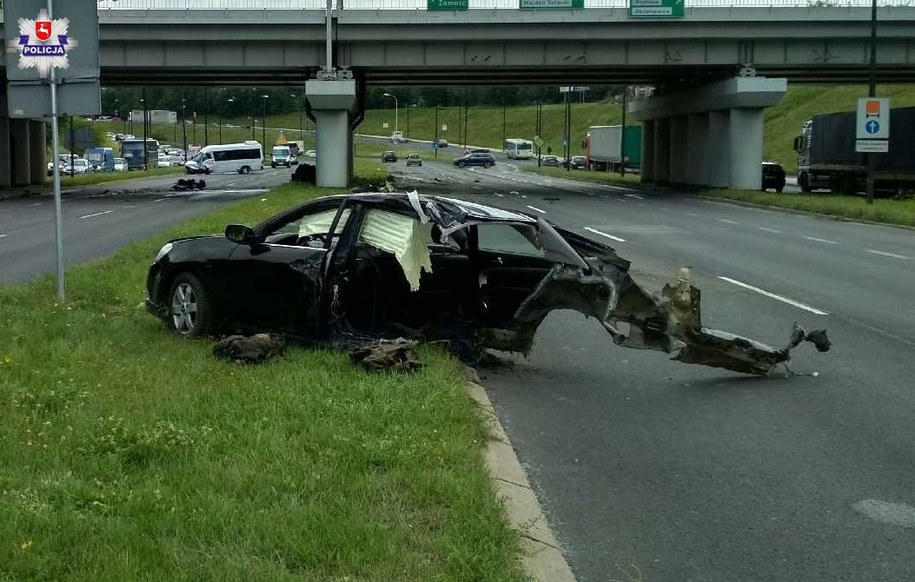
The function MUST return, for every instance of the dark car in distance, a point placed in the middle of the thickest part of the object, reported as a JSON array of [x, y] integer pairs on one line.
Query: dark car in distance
[[773, 176], [389, 156], [440, 143], [484, 159], [578, 163]]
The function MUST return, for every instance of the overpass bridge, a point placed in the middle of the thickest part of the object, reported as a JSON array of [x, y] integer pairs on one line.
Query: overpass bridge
[[722, 56]]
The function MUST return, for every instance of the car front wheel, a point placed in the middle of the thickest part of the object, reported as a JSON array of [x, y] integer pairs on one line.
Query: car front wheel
[[486, 164], [244, 170], [461, 164], [189, 306]]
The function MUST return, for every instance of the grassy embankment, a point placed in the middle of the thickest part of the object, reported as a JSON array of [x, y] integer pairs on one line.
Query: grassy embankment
[[130, 453]]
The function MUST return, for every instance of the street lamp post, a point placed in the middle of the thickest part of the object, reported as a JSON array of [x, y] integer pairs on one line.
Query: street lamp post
[[264, 123], [872, 92], [395, 109], [206, 117], [184, 127]]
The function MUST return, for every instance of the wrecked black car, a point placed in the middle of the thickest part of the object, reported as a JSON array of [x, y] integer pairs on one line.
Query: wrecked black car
[[429, 268]]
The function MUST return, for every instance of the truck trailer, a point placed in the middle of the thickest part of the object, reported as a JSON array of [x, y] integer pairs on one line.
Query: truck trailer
[[826, 156], [603, 152]]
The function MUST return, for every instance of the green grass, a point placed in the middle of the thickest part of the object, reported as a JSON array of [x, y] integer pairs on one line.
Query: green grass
[[583, 176], [131, 454], [851, 207], [100, 178]]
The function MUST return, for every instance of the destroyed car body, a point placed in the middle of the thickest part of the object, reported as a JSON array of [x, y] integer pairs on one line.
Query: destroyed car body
[[403, 265]]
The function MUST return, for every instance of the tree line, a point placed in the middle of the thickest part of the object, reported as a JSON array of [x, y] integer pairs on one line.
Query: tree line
[[236, 102]]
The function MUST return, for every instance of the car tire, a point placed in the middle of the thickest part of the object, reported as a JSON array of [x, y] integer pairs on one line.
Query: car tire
[[779, 190], [486, 164], [189, 311], [803, 181], [461, 164], [244, 170], [273, 165]]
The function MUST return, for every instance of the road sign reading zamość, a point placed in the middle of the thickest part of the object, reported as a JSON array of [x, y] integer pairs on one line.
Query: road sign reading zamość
[[447, 4], [656, 8]]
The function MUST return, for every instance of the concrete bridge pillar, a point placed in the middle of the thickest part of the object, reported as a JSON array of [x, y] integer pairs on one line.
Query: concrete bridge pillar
[[38, 143], [716, 131], [662, 151], [332, 103], [19, 152], [746, 141], [719, 147], [698, 148], [679, 147], [648, 151], [6, 174]]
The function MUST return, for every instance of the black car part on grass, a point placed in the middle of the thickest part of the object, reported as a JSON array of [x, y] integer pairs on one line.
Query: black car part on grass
[[433, 279]]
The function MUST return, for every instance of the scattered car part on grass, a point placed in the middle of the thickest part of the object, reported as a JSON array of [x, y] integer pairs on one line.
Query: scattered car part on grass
[[380, 266], [397, 355], [183, 185], [255, 349]]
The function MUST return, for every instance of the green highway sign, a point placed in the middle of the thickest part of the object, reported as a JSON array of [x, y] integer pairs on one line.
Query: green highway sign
[[447, 4], [656, 8], [550, 4]]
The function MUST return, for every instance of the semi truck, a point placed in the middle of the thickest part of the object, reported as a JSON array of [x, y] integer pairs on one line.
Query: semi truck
[[826, 156], [603, 152]]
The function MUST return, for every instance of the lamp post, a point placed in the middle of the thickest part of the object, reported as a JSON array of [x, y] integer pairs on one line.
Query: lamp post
[[184, 126], [206, 117], [264, 124], [145, 117], [395, 110], [872, 92], [222, 118]]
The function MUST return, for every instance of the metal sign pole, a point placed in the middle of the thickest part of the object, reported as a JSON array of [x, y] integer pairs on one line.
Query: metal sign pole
[[872, 92], [55, 152]]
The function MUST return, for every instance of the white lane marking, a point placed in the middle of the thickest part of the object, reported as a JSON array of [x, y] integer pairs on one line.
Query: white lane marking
[[537, 209], [781, 298], [885, 254], [772, 230], [160, 199], [821, 240], [602, 197], [2, 236], [610, 236], [693, 214], [499, 195], [97, 214], [35, 204], [666, 210], [635, 196], [728, 221]]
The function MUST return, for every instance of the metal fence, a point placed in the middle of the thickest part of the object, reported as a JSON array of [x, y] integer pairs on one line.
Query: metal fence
[[474, 4]]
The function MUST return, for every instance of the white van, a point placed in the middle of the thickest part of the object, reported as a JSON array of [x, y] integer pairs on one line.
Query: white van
[[226, 158]]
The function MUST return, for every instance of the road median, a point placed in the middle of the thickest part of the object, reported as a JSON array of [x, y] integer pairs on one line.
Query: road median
[[133, 453]]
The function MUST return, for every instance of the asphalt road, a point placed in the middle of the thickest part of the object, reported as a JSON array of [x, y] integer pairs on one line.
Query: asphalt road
[[100, 219], [654, 470]]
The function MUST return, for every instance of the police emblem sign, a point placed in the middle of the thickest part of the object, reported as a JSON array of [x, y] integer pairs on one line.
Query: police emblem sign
[[43, 43], [52, 35]]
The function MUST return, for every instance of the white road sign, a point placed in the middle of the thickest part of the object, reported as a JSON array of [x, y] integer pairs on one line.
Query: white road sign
[[873, 121]]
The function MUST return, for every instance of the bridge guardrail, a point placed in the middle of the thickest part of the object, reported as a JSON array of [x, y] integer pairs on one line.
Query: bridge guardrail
[[473, 4]]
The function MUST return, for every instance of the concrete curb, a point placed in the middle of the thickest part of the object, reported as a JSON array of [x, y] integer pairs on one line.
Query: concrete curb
[[541, 555]]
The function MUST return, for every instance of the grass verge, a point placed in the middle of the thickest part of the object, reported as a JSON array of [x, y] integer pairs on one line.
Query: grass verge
[[582, 176], [132, 454], [900, 212], [104, 177]]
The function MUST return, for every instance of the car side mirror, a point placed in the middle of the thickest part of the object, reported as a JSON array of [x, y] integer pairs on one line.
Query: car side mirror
[[241, 234]]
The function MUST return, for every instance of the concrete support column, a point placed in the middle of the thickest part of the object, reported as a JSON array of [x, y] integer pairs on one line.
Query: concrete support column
[[719, 147], [648, 151], [697, 149], [332, 102], [679, 146], [746, 148], [38, 143], [662, 150], [6, 173], [19, 151]]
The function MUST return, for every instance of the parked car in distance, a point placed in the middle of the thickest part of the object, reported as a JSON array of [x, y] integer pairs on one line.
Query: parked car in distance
[[311, 154], [578, 163], [414, 160], [120, 165], [773, 176], [397, 137], [163, 161], [475, 159], [389, 156], [79, 166], [550, 160], [440, 143]]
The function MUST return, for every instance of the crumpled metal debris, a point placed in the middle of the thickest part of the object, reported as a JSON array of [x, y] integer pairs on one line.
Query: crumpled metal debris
[[397, 354], [185, 184], [253, 349]]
